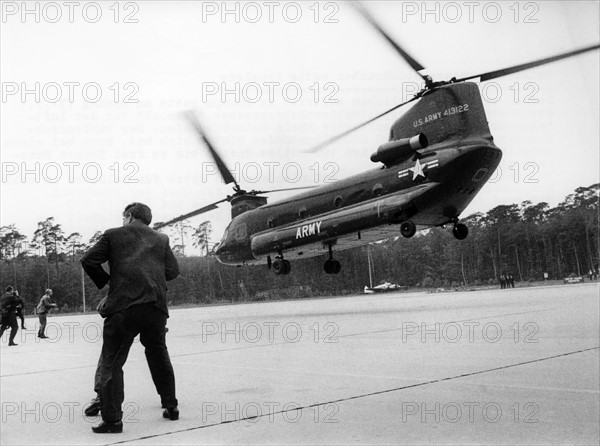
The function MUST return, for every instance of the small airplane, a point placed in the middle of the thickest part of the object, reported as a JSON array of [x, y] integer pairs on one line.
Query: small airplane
[[439, 155], [385, 287]]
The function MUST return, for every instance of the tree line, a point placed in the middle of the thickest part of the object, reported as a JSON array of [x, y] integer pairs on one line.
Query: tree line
[[527, 240]]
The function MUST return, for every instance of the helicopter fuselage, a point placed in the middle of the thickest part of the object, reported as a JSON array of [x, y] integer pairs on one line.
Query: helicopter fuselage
[[430, 189]]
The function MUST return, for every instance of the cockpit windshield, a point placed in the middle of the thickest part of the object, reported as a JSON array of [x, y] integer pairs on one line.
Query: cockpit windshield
[[225, 234]]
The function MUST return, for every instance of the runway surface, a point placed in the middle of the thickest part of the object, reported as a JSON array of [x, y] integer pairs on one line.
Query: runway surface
[[516, 366]]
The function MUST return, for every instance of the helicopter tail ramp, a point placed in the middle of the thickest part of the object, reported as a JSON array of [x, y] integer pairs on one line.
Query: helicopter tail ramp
[[453, 111]]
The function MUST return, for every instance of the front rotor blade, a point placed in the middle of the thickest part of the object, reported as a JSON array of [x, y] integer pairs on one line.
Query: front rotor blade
[[407, 57], [225, 172], [347, 132], [202, 210], [526, 66]]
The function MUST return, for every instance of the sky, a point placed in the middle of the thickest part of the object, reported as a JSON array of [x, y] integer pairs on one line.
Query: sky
[[93, 95]]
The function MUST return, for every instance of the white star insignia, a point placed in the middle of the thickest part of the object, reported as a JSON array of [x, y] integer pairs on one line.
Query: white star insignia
[[417, 170]]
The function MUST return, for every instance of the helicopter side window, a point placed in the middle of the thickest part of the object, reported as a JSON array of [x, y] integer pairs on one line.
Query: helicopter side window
[[338, 201], [377, 190], [479, 175], [271, 222], [241, 232], [303, 213]]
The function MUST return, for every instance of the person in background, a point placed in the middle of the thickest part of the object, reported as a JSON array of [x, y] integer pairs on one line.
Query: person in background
[[510, 280], [42, 310], [8, 307], [19, 311]]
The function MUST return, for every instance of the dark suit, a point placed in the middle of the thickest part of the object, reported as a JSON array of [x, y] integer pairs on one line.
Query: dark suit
[[8, 305], [141, 262]]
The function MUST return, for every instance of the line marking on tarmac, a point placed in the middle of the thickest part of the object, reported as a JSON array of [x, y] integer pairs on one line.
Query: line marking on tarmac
[[365, 395]]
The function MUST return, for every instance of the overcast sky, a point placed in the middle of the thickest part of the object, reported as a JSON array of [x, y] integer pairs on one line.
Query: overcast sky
[[92, 95]]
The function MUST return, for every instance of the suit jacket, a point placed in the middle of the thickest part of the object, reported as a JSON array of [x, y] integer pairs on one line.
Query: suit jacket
[[140, 261], [9, 302]]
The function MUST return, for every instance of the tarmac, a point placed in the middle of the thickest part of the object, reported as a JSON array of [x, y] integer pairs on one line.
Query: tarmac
[[515, 366]]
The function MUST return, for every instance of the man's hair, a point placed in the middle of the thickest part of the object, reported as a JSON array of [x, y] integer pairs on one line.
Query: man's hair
[[9, 289], [48, 291], [139, 211]]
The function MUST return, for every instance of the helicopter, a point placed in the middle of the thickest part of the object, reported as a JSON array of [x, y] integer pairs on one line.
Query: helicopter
[[438, 156]]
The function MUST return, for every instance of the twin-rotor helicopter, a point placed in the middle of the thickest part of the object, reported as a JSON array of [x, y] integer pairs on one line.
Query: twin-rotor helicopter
[[439, 155]]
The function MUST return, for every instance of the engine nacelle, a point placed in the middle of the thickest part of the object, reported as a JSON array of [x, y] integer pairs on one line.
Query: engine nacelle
[[397, 151]]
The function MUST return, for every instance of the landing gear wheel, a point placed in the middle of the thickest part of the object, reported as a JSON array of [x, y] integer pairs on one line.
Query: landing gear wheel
[[460, 231], [281, 266], [408, 229], [337, 268], [332, 266]]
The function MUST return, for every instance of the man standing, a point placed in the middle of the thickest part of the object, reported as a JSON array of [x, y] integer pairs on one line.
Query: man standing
[[43, 309], [8, 306], [140, 261], [19, 311], [510, 280]]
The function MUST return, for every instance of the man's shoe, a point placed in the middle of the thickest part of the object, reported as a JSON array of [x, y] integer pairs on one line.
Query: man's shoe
[[172, 413], [43, 336], [11, 344], [108, 428], [23, 327], [93, 409]]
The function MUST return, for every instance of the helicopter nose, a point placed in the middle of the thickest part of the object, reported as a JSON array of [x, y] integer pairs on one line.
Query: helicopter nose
[[221, 252]]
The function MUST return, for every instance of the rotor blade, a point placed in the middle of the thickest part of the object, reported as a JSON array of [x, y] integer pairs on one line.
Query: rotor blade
[[225, 172], [281, 190], [515, 69], [407, 57], [202, 210], [356, 127]]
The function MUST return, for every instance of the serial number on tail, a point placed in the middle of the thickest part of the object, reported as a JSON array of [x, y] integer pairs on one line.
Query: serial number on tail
[[438, 115]]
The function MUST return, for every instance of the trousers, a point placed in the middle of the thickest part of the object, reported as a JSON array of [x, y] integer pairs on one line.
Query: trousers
[[9, 319], [120, 329]]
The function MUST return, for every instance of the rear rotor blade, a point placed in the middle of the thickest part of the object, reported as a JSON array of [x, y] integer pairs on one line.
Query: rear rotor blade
[[280, 190], [202, 210], [356, 127], [526, 66], [407, 57], [225, 172]]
